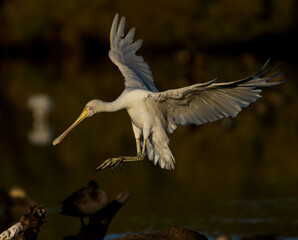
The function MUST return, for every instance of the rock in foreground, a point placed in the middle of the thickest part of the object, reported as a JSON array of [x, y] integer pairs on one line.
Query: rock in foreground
[[171, 233]]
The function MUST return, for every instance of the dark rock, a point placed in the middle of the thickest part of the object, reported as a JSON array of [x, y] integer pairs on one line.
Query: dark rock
[[171, 233]]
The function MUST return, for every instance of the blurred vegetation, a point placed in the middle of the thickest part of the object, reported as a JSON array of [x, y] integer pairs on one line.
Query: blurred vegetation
[[60, 48], [163, 24]]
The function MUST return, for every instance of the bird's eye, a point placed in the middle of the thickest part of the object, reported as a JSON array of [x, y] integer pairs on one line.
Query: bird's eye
[[90, 110]]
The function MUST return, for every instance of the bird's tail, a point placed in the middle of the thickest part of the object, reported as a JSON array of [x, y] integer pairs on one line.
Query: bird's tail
[[159, 152]]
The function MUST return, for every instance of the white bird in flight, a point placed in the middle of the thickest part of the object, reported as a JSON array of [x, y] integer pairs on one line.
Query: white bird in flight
[[153, 113]]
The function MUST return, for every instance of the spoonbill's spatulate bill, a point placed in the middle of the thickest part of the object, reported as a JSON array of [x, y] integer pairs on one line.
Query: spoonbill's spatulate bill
[[153, 113]]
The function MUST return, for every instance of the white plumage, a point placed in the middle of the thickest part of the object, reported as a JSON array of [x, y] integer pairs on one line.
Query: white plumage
[[153, 113]]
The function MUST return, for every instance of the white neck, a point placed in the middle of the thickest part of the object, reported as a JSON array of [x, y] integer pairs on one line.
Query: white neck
[[108, 106], [111, 106]]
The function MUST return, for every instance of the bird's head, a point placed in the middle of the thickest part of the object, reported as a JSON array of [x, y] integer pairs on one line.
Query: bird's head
[[94, 106], [91, 108]]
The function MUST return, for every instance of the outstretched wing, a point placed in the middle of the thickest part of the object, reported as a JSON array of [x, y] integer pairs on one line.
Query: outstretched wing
[[136, 72], [210, 101]]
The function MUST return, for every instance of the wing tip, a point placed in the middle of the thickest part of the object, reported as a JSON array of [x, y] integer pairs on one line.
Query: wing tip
[[114, 27], [120, 30]]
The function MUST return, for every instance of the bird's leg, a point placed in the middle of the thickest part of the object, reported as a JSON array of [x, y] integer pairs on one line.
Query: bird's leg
[[140, 155], [144, 147], [138, 146], [114, 162]]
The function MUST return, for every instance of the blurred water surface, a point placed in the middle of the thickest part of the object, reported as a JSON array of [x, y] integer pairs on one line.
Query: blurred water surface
[[237, 176]]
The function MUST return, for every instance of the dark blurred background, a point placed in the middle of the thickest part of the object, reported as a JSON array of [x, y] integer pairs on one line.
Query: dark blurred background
[[238, 176]]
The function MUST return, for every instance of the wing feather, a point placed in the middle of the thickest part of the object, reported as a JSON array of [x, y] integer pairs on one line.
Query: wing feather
[[136, 72], [208, 102]]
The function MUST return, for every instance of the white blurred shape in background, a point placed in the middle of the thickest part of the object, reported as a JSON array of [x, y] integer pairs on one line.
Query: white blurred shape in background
[[40, 105]]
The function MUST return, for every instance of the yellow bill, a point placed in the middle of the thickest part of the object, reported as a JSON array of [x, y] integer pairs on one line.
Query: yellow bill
[[80, 119]]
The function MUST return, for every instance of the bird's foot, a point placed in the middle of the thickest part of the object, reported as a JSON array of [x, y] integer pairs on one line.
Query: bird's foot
[[112, 163], [139, 157]]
